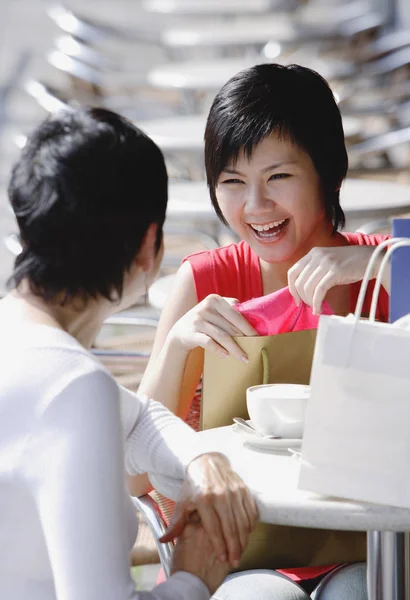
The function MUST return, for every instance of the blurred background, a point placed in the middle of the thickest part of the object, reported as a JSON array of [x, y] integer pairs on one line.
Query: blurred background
[[160, 63]]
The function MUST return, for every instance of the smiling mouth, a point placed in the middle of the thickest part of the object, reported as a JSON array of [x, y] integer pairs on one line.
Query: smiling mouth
[[269, 231]]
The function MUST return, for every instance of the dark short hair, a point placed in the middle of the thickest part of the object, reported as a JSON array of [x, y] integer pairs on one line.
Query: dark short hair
[[291, 101], [86, 188]]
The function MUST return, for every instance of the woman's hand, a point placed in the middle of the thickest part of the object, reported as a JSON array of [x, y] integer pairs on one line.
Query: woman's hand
[[224, 504], [321, 269], [212, 324], [195, 554]]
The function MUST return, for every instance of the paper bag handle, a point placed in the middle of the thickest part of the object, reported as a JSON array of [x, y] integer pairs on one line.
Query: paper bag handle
[[363, 288], [265, 366], [400, 244]]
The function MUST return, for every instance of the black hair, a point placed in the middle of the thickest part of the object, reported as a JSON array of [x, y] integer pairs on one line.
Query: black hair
[[293, 102], [86, 188]]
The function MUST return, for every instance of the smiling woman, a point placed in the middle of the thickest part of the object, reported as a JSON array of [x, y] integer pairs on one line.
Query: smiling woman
[[275, 160], [277, 208]]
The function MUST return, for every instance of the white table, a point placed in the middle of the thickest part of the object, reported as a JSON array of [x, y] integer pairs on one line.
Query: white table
[[367, 200], [273, 479], [189, 200]]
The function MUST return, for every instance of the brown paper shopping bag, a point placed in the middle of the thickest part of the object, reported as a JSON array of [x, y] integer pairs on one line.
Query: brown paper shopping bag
[[283, 358]]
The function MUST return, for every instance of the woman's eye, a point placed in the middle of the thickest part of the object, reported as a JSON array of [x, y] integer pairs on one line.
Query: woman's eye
[[279, 176], [231, 181]]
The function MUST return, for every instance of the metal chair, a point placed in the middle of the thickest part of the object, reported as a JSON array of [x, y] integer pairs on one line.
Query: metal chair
[[92, 31], [153, 516], [47, 96], [386, 44]]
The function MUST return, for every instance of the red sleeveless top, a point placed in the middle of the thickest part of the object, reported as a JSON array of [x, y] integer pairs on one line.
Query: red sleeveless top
[[234, 271]]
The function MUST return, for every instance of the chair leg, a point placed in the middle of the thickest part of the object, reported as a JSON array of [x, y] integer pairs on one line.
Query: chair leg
[[148, 507]]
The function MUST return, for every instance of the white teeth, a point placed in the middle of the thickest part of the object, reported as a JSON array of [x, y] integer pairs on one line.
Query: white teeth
[[267, 226]]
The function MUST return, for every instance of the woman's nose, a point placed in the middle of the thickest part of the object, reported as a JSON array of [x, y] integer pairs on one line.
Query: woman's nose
[[257, 199]]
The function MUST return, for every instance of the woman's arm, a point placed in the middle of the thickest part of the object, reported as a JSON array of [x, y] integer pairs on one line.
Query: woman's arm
[[158, 442], [187, 328], [73, 467], [173, 372]]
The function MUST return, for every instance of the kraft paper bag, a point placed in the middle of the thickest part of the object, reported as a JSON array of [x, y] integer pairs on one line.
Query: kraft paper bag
[[283, 358], [357, 431]]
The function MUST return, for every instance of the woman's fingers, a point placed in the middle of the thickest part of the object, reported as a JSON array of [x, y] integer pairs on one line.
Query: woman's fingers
[[235, 317], [243, 522], [251, 509], [213, 324], [176, 526], [325, 284], [220, 321], [213, 527], [180, 519], [310, 283], [293, 276], [224, 506], [224, 340]]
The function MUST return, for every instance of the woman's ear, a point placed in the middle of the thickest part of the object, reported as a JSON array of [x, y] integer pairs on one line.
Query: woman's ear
[[148, 250]]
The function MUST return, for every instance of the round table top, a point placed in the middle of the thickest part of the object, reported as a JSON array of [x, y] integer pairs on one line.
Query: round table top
[[190, 200], [186, 133], [211, 75], [207, 7], [273, 478], [368, 197], [359, 198]]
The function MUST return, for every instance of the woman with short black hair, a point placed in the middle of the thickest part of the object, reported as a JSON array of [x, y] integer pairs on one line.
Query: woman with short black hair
[[275, 161], [90, 193]]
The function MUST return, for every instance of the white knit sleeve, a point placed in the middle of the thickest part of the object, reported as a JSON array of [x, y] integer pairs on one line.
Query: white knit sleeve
[[73, 467], [158, 442]]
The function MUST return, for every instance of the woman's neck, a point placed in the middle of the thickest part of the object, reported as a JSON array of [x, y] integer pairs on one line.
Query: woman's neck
[[275, 275], [83, 322]]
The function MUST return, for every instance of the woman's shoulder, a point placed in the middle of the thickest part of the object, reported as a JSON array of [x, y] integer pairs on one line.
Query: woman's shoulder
[[224, 255], [363, 239], [231, 270]]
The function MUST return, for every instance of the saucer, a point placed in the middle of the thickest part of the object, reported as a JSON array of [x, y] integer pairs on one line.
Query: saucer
[[266, 443]]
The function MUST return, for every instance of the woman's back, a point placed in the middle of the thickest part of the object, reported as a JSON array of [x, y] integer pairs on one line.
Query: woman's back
[[49, 402]]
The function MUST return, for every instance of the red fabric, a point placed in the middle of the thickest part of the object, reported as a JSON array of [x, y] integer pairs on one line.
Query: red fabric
[[233, 271], [278, 313], [304, 573]]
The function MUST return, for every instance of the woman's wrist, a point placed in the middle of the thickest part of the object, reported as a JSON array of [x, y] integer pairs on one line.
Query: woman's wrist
[[174, 343]]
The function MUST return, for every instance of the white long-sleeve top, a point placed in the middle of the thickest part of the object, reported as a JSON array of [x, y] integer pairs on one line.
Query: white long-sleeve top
[[67, 523]]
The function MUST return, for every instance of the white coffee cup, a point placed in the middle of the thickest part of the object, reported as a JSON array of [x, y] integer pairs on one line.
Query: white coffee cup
[[278, 409]]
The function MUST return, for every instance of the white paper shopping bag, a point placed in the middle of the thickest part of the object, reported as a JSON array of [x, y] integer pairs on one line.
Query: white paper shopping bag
[[356, 441]]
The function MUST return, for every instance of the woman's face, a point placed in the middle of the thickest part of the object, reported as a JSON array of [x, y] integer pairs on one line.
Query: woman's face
[[273, 201]]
